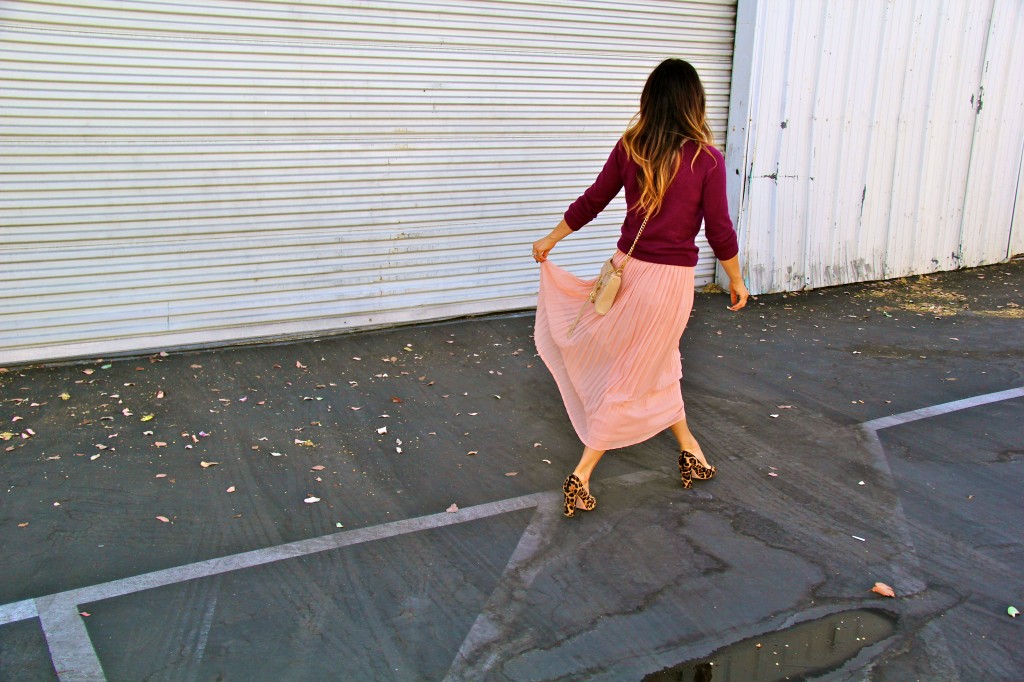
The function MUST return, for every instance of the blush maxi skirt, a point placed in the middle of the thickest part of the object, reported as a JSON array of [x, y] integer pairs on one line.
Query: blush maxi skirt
[[619, 373]]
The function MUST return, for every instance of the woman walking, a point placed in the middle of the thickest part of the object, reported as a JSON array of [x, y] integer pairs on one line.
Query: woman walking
[[619, 373]]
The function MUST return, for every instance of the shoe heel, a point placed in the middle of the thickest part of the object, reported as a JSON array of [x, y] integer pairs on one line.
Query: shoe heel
[[576, 496], [685, 473], [691, 469]]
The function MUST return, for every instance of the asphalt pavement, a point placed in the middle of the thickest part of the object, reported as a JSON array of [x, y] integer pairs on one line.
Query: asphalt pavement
[[385, 505]]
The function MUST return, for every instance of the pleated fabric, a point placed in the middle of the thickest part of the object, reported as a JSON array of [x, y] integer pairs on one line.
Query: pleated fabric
[[619, 373]]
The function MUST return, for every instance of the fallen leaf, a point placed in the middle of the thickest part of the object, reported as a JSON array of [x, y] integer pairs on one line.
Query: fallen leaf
[[96, 456], [299, 365], [883, 589], [23, 525], [86, 614], [146, 417], [1011, 611], [382, 430], [396, 400], [276, 454], [160, 476], [546, 461], [512, 473], [87, 372], [101, 446], [311, 499], [774, 416], [160, 444], [318, 467], [772, 473], [230, 490], [196, 366], [452, 509], [6, 435], [304, 443], [207, 465], [471, 453], [65, 396], [163, 518]]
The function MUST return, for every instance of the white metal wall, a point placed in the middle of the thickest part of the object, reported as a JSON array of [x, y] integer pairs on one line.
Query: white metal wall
[[198, 171], [876, 139]]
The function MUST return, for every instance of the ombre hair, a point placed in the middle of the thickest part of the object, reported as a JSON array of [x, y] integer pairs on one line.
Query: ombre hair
[[673, 109]]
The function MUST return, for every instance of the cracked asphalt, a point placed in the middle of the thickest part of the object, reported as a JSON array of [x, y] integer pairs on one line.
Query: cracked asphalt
[[384, 505]]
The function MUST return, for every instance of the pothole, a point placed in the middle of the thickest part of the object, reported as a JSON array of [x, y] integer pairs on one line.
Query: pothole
[[799, 652]]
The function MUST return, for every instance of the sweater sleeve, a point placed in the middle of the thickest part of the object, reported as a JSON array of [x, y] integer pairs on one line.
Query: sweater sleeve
[[605, 188], [715, 203]]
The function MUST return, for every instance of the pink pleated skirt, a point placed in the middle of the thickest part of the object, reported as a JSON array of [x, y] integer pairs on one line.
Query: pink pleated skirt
[[619, 373]]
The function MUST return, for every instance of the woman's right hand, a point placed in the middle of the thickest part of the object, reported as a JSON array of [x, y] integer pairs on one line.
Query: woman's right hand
[[738, 293]]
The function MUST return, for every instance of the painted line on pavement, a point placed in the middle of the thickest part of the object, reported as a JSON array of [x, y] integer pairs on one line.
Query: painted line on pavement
[[16, 611], [907, 567], [944, 408], [75, 659], [71, 650]]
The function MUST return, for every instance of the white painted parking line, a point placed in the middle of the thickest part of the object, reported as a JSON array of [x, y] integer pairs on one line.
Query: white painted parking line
[[496, 624], [906, 568], [75, 659], [19, 610], [944, 408], [71, 650]]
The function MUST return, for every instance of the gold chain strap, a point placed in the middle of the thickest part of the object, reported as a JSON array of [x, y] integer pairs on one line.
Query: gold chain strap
[[630, 254]]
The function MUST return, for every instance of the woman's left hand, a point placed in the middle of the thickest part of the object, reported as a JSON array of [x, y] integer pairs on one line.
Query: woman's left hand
[[542, 247], [738, 294]]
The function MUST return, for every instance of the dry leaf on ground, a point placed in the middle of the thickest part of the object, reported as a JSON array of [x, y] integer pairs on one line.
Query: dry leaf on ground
[[883, 589]]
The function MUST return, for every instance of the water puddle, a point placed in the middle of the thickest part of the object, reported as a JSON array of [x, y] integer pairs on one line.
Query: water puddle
[[805, 650]]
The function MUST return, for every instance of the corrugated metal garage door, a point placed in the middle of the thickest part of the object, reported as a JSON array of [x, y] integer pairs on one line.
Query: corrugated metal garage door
[[197, 172]]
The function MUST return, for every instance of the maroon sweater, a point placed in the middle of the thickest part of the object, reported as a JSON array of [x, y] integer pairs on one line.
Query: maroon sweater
[[669, 238]]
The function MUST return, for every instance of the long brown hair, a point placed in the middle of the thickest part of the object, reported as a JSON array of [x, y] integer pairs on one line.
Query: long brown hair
[[673, 109]]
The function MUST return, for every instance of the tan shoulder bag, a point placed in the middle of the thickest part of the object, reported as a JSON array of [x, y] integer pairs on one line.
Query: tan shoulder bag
[[602, 296]]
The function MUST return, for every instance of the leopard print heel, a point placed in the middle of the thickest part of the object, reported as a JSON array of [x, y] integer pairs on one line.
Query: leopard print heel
[[576, 496], [691, 469]]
